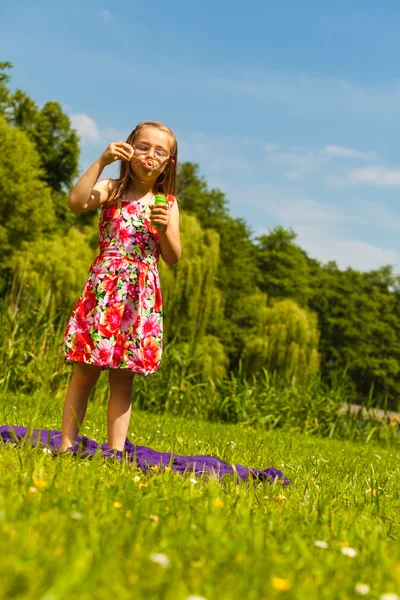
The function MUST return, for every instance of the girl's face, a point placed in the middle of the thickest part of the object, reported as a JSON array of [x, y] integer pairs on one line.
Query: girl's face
[[152, 149]]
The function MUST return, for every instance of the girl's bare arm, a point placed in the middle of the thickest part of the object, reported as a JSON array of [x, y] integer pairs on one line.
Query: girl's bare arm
[[86, 193], [170, 242]]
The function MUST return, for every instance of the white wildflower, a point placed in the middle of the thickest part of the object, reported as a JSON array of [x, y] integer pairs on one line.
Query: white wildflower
[[193, 480], [363, 589], [389, 596], [76, 515], [46, 450], [160, 559], [321, 544], [350, 552]]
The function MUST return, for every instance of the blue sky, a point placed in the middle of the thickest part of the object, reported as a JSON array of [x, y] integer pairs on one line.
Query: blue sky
[[292, 109]]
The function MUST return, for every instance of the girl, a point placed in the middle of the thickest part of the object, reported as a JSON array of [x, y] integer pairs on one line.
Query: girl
[[117, 323]]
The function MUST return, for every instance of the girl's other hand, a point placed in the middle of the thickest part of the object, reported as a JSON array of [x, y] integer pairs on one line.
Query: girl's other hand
[[116, 151], [160, 216]]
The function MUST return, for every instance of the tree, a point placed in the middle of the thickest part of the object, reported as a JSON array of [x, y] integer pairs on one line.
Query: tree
[[50, 130], [26, 210], [210, 207], [191, 299], [4, 91], [284, 268], [284, 341], [55, 268], [359, 320], [193, 303], [237, 273], [23, 112]]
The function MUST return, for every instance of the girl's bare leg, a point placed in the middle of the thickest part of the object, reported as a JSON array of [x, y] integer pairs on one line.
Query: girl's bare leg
[[119, 407], [83, 379]]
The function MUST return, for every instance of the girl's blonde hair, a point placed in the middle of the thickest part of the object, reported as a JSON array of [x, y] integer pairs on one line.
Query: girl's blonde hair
[[166, 182]]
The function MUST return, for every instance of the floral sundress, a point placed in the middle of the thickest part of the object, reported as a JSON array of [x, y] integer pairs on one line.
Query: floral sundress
[[118, 319]]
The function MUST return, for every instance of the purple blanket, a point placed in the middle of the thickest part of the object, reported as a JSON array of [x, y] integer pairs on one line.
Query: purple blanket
[[144, 457]]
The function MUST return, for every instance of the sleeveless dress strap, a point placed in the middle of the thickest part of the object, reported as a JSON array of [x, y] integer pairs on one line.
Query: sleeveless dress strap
[[171, 199]]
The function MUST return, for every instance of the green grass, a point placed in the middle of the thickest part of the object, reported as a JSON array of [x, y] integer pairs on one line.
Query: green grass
[[222, 541]]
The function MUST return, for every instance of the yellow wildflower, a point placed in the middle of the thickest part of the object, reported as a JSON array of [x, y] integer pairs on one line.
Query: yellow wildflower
[[279, 498], [117, 505], [39, 483], [281, 585], [218, 502]]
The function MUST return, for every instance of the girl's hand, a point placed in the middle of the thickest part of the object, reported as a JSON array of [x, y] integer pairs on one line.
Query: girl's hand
[[116, 151], [160, 215]]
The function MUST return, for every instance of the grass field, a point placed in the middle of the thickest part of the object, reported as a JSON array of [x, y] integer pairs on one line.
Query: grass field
[[101, 529]]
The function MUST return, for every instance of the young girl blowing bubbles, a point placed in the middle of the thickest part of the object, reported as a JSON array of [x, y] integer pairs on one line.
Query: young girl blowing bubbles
[[117, 323]]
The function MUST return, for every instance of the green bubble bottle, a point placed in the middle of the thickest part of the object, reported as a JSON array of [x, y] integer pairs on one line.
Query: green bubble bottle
[[158, 199]]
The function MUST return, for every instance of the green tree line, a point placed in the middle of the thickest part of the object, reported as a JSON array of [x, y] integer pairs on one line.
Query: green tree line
[[234, 303]]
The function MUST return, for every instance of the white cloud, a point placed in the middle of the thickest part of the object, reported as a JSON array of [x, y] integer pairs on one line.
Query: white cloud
[[340, 152], [297, 209], [367, 176], [320, 225], [296, 173], [301, 160], [305, 94], [326, 246], [305, 161], [105, 14], [271, 147], [214, 154], [377, 214], [335, 181], [300, 210], [86, 128], [375, 176], [218, 154], [91, 134]]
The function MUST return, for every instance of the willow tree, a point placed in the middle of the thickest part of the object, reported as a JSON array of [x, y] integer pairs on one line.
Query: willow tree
[[192, 302], [54, 270], [284, 341]]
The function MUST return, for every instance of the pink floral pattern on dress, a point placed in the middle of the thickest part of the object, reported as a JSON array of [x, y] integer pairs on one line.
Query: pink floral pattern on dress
[[118, 320]]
